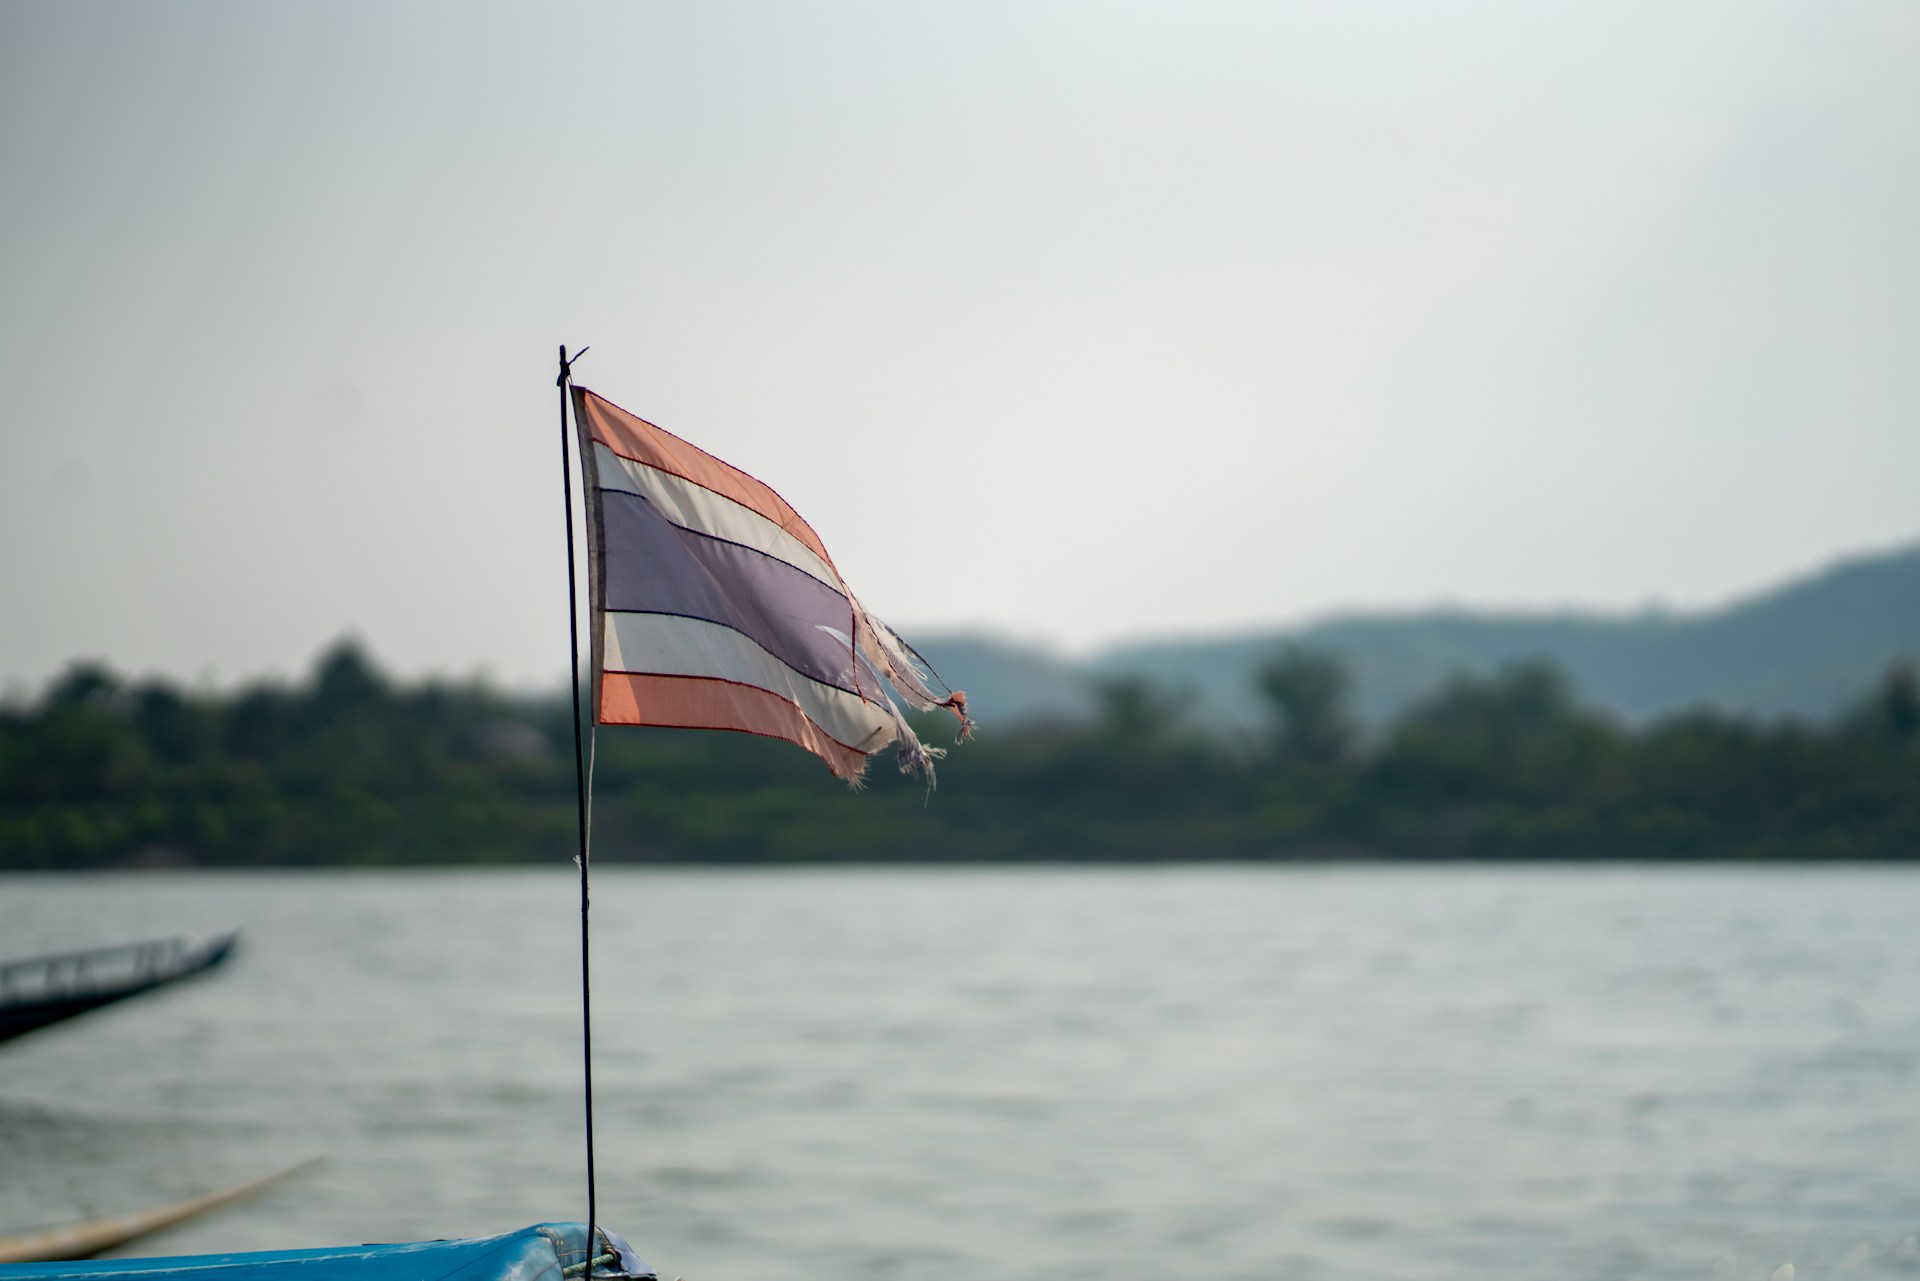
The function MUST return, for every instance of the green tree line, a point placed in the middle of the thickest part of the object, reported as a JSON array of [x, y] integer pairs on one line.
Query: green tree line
[[350, 767]]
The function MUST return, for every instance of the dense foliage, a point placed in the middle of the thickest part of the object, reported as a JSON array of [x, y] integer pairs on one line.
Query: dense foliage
[[350, 768]]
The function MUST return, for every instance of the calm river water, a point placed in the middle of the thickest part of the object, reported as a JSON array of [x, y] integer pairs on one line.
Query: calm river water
[[1214, 1072]]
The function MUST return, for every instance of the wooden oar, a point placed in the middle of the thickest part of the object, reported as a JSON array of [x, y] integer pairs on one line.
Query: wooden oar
[[84, 1240]]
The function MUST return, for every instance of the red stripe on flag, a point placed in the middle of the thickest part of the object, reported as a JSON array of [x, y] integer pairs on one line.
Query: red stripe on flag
[[638, 439], [705, 702]]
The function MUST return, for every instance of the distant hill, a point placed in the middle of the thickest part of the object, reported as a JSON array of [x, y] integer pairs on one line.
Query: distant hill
[[1804, 649]]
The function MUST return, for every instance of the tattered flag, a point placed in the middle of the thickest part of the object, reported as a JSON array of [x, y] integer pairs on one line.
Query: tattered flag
[[715, 606]]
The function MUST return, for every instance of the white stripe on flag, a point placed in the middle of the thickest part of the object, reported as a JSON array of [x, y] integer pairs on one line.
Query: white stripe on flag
[[700, 509], [667, 645]]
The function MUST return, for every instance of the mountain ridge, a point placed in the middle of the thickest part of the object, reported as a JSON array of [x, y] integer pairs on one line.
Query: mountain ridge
[[1804, 648]]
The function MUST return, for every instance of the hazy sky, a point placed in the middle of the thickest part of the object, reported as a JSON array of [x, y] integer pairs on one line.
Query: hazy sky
[[1070, 321]]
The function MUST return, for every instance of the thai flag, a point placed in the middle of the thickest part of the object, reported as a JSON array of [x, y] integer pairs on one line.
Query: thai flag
[[716, 607]]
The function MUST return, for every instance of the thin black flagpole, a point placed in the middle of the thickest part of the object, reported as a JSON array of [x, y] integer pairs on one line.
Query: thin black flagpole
[[580, 789]]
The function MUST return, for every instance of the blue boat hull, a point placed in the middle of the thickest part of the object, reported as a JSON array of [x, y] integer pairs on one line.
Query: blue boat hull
[[544, 1252]]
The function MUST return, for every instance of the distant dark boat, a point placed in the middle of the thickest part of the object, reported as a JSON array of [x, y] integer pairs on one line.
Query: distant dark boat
[[42, 990]]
